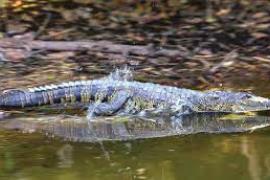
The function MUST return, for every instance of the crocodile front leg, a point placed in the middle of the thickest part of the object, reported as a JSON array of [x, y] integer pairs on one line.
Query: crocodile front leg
[[109, 108]]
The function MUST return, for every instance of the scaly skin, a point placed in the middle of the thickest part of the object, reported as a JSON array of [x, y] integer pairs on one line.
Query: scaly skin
[[108, 96]]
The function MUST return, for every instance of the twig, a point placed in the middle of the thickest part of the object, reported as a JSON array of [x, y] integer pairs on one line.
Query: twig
[[44, 25]]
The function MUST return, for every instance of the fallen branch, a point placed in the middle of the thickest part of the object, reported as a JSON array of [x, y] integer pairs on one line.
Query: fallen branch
[[92, 46]]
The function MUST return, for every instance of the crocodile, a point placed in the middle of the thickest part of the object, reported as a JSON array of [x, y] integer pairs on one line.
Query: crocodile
[[109, 96], [75, 128]]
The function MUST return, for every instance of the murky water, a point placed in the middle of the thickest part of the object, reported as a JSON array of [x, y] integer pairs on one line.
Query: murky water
[[60, 144], [201, 156]]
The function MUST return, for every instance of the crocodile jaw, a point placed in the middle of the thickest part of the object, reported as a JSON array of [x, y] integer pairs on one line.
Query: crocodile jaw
[[224, 101], [254, 103]]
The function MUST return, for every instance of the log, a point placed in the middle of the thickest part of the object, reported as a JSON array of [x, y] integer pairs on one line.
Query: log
[[92, 46]]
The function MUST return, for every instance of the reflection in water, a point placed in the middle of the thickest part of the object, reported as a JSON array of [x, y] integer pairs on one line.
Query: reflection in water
[[77, 128], [249, 151], [226, 156], [65, 156], [202, 156], [255, 161]]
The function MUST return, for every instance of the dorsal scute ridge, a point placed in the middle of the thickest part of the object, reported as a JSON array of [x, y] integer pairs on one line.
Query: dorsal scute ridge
[[120, 74], [62, 85]]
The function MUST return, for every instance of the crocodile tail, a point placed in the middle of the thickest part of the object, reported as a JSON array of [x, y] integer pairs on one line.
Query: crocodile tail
[[16, 98], [12, 98]]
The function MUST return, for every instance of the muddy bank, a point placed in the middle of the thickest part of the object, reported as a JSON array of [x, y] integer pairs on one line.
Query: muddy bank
[[225, 43]]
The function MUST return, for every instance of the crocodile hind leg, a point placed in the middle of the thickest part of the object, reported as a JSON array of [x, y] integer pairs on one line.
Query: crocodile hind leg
[[185, 109], [109, 108]]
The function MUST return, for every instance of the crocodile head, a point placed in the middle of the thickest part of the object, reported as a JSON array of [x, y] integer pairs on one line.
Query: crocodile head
[[232, 102]]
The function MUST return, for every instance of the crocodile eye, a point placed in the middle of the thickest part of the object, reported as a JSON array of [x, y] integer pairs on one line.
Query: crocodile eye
[[247, 96], [215, 97]]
